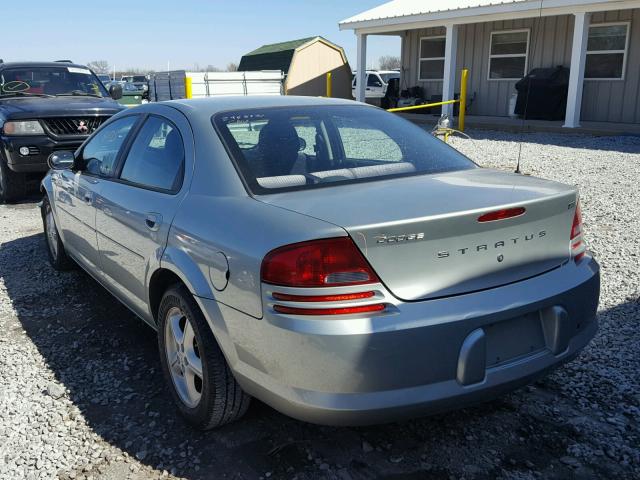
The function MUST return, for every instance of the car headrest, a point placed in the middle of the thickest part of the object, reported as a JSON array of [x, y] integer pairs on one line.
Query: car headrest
[[278, 132], [278, 144]]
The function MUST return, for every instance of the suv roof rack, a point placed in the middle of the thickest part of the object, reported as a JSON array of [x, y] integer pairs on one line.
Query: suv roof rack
[[64, 61]]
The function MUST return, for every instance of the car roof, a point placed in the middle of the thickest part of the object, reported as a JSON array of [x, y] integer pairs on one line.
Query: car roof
[[211, 105], [40, 64]]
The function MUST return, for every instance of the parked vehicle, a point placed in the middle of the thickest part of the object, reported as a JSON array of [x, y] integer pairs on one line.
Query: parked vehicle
[[132, 94], [327, 257], [377, 82], [140, 81], [45, 107]]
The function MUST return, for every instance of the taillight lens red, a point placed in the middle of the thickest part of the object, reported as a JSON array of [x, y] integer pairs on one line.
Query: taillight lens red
[[502, 214], [576, 228], [578, 247], [377, 307], [342, 297], [328, 262]]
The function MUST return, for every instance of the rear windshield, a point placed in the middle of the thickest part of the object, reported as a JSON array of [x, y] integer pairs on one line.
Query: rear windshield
[[295, 148]]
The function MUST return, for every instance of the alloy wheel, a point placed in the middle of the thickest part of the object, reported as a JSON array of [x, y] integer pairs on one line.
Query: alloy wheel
[[183, 357]]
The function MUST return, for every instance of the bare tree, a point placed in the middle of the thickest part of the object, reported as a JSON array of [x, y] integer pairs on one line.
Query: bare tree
[[232, 67], [212, 68], [389, 62], [99, 66]]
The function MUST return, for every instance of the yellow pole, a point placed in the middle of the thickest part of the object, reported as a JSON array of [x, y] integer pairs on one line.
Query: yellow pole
[[329, 85], [463, 99], [188, 87]]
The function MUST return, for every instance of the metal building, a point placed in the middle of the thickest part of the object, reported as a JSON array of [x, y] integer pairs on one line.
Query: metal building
[[500, 42]]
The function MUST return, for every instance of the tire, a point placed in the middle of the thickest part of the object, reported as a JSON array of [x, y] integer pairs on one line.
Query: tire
[[13, 185], [213, 397], [58, 257]]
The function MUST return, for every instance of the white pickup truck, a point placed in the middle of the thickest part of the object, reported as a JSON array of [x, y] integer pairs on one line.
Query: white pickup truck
[[377, 82]]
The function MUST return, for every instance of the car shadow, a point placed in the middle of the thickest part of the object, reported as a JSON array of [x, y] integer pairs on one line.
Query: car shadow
[[108, 362]]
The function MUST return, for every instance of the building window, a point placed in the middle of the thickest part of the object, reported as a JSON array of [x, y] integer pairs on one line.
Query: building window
[[508, 55], [607, 51], [431, 58]]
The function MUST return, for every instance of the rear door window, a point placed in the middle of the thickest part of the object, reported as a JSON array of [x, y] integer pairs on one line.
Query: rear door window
[[156, 157]]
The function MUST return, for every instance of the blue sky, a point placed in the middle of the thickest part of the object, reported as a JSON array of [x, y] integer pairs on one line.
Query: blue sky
[[147, 34]]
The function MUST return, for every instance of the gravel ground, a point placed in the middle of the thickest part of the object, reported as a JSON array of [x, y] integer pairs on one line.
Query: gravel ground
[[81, 393]]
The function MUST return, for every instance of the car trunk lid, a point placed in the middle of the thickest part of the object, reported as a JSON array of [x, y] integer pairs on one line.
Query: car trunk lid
[[422, 236]]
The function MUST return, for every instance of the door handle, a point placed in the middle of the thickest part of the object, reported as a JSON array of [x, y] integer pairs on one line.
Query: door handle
[[153, 221]]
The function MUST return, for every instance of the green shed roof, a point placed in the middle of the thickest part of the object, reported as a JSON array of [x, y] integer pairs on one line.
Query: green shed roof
[[280, 47], [275, 56]]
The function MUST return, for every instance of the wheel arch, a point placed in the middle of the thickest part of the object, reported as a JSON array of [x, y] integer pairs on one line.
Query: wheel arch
[[176, 267], [160, 281], [46, 188]]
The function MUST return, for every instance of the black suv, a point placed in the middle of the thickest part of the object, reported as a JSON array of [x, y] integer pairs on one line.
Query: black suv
[[44, 107]]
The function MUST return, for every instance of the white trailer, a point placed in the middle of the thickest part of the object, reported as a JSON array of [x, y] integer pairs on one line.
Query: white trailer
[[180, 84], [211, 84]]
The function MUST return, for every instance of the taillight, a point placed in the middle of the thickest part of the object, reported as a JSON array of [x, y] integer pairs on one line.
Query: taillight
[[343, 297], [578, 248], [376, 307], [328, 262], [332, 262]]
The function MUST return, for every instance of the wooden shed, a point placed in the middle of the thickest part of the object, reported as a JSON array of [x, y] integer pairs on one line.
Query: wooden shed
[[305, 63]]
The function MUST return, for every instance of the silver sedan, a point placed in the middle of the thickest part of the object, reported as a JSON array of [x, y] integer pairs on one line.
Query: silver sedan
[[324, 256]]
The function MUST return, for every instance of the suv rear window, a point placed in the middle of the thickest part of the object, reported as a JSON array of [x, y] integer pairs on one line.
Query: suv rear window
[[295, 148]]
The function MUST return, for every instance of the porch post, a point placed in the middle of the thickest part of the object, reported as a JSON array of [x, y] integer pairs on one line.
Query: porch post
[[361, 66], [403, 53], [576, 74], [449, 80]]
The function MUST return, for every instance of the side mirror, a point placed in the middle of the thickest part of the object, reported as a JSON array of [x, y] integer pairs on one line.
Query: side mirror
[[61, 160], [115, 91]]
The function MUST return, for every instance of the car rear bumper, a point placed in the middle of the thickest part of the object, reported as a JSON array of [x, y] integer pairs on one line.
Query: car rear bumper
[[40, 148], [424, 358]]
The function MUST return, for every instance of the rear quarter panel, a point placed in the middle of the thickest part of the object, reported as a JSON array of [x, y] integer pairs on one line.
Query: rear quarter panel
[[210, 229]]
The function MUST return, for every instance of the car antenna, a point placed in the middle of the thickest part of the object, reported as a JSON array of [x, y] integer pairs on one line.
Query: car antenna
[[526, 100]]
